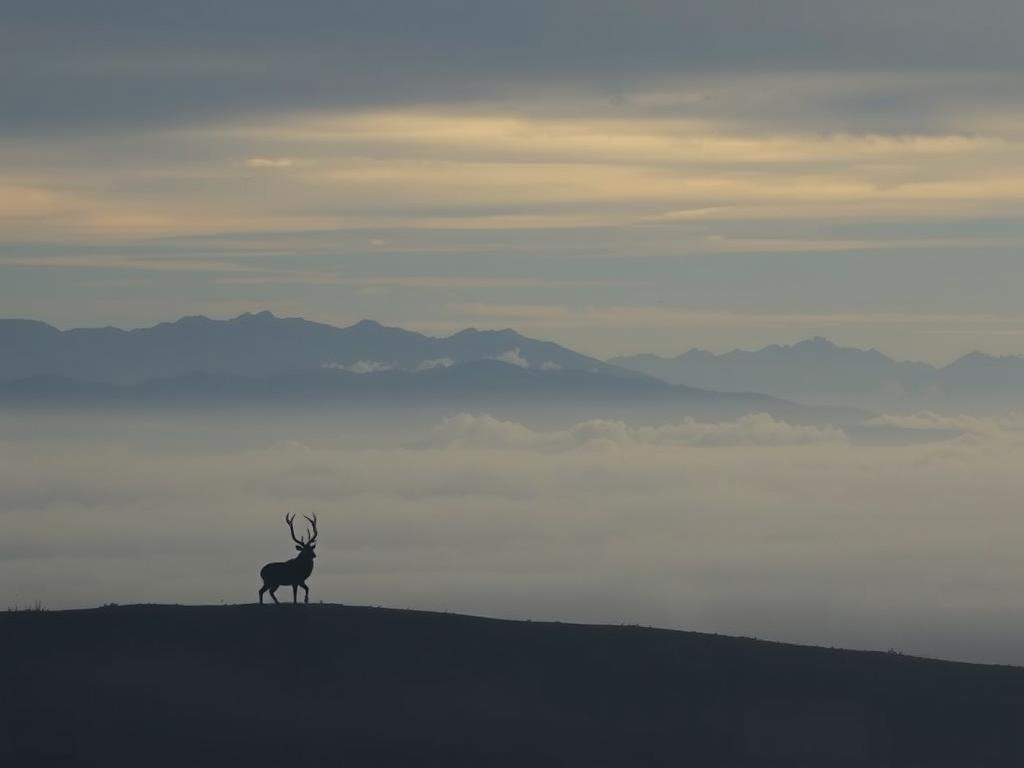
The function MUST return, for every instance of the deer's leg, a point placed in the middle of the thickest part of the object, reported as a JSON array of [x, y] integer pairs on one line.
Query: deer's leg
[[262, 590], [306, 599], [295, 593], [272, 591]]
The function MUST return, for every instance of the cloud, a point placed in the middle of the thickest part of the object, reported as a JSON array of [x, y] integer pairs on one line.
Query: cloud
[[361, 366], [269, 162], [375, 366], [752, 527], [441, 362], [130, 71], [512, 357], [1011, 425], [527, 161], [484, 431]]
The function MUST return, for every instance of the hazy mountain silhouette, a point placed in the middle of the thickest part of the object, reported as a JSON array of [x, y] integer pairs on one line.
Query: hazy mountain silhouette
[[999, 379], [259, 345], [489, 384], [818, 371], [320, 685]]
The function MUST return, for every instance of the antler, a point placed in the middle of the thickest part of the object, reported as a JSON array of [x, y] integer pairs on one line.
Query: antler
[[311, 537], [290, 519]]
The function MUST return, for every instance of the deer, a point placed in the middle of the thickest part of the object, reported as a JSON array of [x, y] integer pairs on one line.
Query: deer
[[292, 572]]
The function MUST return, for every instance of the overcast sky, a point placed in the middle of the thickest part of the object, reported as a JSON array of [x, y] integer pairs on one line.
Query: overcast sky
[[621, 177]]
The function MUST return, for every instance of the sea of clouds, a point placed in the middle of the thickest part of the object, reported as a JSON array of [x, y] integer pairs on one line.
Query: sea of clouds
[[753, 527]]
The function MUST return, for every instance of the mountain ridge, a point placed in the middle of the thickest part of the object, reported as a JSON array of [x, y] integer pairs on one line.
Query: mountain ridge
[[258, 344], [817, 371], [493, 385], [819, 342]]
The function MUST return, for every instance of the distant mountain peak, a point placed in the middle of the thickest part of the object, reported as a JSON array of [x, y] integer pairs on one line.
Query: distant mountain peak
[[814, 370], [265, 314], [486, 332], [983, 358], [367, 324], [186, 321], [17, 323], [816, 343]]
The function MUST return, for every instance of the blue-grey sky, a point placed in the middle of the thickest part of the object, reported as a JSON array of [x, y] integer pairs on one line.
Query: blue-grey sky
[[621, 177]]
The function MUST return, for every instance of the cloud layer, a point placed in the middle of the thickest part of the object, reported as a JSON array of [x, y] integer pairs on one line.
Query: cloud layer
[[754, 527], [136, 63], [468, 431]]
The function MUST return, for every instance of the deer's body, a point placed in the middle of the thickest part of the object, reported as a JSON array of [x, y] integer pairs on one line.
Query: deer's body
[[292, 573]]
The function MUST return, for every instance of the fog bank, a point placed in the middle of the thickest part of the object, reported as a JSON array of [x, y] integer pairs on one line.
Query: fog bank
[[752, 527]]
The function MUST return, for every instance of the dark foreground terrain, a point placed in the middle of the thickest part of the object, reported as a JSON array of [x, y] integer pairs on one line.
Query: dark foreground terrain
[[334, 685]]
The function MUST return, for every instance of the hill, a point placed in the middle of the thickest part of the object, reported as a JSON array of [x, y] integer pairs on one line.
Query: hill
[[268, 685]]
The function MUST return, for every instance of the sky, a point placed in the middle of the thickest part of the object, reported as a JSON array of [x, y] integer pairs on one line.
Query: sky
[[619, 177]]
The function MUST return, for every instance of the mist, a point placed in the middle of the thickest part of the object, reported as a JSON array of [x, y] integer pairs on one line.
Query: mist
[[752, 527]]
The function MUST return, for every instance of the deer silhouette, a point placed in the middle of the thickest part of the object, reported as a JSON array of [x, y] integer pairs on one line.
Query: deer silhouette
[[292, 572]]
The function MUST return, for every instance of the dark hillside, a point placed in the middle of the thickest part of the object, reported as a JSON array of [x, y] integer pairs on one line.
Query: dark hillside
[[321, 685]]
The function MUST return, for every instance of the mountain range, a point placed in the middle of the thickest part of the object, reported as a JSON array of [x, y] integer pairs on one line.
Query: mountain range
[[261, 357], [816, 371], [261, 344], [474, 384], [267, 360]]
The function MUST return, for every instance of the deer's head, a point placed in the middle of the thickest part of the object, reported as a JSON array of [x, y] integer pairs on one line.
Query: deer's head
[[304, 545]]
